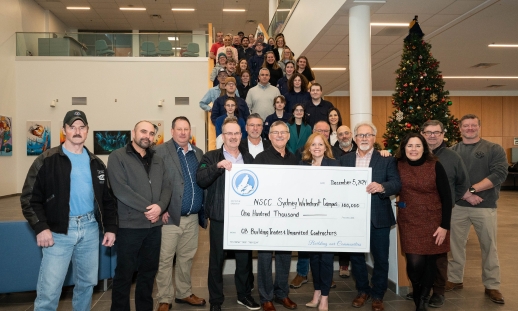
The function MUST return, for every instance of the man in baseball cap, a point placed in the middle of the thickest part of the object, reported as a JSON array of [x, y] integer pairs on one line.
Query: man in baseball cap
[[66, 200], [74, 115]]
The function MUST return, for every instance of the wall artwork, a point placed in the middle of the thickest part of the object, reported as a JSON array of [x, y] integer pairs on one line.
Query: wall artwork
[[38, 137], [192, 141], [159, 129], [62, 136], [6, 136], [107, 141]]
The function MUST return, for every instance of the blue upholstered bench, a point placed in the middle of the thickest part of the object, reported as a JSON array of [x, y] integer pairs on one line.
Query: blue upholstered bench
[[20, 259]]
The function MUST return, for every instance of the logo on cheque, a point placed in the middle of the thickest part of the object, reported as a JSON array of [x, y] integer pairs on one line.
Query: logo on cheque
[[245, 183]]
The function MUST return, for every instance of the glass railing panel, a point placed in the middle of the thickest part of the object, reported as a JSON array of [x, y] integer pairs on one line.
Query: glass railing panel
[[112, 44], [280, 17]]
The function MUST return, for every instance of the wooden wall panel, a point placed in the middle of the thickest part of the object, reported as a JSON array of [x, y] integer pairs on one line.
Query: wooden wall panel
[[510, 116], [491, 116], [379, 116], [454, 108], [469, 105]]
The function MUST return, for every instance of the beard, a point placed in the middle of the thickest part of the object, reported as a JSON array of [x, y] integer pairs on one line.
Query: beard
[[344, 144], [364, 147], [143, 143]]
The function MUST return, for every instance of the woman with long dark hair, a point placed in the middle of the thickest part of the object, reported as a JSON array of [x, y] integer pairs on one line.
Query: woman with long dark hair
[[299, 129], [424, 213], [335, 120]]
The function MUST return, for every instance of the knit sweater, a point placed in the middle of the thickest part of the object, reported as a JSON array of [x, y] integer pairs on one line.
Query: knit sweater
[[260, 99], [484, 159]]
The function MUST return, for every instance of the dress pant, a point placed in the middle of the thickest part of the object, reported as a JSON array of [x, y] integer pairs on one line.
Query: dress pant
[[137, 249], [322, 271], [485, 224], [343, 259], [380, 243], [441, 274], [216, 261], [267, 288], [181, 240]]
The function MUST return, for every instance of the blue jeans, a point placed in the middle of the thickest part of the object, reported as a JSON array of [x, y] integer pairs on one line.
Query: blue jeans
[[81, 245], [137, 249], [380, 242], [303, 263]]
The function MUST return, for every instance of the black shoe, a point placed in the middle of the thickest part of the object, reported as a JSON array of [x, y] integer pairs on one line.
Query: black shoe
[[249, 303], [410, 296], [215, 307], [436, 301], [422, 306]]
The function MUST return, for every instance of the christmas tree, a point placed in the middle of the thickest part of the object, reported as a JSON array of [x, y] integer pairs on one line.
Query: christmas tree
[[420, 94]]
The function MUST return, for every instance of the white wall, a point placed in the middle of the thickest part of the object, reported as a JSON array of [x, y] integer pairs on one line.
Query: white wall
[[137, 84], [16, 16]]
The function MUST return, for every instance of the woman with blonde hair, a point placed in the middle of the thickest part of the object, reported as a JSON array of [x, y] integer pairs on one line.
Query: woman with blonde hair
[[317, 152]]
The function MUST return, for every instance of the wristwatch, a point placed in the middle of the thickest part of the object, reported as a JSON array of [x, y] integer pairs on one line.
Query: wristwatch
[[472, 190]]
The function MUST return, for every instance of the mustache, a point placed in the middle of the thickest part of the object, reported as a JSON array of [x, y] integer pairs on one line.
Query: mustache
[[78, 136]]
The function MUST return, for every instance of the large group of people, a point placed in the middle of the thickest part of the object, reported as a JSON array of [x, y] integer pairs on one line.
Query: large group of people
[[152, 200]]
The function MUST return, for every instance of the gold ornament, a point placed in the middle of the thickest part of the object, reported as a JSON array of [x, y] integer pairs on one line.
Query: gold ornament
[[410, 99], [433, 97]]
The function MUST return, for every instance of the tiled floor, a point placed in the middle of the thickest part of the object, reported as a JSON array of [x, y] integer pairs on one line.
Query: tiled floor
[[470, 298]]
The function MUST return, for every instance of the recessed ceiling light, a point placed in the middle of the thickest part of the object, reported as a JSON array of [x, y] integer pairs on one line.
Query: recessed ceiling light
[[78, 8], [133, 9], [172, 38], [283, 10], [478, 77], [179, 9], [493, 45], [330, 68], [390, 24], [234, 10]]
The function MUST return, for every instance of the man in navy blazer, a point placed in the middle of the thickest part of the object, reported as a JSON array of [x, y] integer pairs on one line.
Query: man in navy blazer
[[385, 182]]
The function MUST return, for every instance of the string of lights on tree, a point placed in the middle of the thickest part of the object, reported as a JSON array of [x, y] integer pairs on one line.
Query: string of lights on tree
[[420, 94]]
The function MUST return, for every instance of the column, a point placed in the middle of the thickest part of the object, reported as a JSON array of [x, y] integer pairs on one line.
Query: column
[[360, 84]]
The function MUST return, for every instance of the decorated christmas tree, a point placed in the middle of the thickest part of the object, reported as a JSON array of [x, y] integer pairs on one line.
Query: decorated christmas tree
[[420, 94]]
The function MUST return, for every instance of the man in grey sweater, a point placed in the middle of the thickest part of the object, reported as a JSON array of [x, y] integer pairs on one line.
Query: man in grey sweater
[[486, 163], [141, 184], [260, 97]]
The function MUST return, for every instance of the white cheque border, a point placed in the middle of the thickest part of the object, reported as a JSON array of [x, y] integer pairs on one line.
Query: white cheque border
[[297, 208]]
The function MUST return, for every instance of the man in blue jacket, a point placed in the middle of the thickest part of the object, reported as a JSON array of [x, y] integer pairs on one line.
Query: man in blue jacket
[[385, 182]]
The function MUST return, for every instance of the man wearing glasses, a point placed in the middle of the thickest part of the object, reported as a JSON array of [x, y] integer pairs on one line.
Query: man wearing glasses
[[433, 132], [269, 291], [211, 176], [385, 182]]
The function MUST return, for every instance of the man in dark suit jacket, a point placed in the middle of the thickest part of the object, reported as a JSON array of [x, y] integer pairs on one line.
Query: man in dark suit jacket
[[180, 230], [385, 182]]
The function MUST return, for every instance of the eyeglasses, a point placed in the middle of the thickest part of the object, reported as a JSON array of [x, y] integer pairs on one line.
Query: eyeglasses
[[364, 135], [232, 134], [280, 133], [323, 131], [429, 133]]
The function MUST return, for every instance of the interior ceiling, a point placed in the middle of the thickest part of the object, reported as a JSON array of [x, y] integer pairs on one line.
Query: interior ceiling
[[106, 15], [459, 31]]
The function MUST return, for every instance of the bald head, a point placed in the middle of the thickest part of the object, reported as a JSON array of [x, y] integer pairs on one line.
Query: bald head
[[345, 136]]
